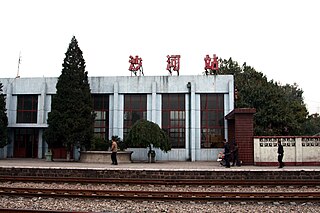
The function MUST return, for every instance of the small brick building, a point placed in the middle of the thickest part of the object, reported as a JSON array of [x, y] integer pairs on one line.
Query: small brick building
[[240, 129]]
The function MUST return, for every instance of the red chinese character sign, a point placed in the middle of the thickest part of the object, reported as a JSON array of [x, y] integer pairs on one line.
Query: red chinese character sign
[[211, 65], [173, 63], [135, 65]]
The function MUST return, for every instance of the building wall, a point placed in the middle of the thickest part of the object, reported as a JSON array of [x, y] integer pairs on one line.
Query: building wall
[[298, 150], [117, 87]]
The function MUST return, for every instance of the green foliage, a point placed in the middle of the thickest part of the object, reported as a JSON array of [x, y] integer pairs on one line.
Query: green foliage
[[312, 125], [72, 117], [146, 134], [280, 109], [99, 144], [3, 120]]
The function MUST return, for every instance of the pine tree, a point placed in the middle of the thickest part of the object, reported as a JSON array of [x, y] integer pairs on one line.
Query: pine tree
[[72, 117], [3, 120]]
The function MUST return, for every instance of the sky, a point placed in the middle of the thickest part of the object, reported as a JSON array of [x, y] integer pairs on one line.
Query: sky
[[281, 39]]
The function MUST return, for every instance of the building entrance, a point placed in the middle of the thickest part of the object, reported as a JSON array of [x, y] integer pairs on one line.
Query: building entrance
[[25, 143]]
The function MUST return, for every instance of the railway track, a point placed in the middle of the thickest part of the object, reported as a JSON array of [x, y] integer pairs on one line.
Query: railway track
[[163, 181], [6, 210], [162, 195]]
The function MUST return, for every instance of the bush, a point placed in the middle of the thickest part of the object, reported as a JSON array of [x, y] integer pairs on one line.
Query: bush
[[147, 134], [99, 144]]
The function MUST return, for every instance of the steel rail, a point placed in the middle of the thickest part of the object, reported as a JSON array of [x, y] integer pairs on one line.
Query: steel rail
[[162, 195], [236, 182], [7, 210]]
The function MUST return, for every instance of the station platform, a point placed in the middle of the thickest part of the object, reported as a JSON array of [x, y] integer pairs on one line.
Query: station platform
[[158, 165], [160, 170]]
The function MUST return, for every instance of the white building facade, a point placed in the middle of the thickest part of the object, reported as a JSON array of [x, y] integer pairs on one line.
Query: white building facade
[[191, 109]]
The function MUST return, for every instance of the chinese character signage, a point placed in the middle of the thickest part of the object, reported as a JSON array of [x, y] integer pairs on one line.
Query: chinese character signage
[[211, 65], [135, 65], [173, 63]]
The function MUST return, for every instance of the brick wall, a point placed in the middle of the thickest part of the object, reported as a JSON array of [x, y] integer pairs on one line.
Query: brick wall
[[220, 174], [240, 121]]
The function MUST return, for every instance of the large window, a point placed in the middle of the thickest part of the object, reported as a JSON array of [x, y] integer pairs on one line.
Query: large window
[[27, 109], [212, 120], [174, 119], [135, 108], [101, 108]]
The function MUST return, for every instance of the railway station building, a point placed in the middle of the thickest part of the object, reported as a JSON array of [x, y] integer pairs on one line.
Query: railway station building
[[191, 109]]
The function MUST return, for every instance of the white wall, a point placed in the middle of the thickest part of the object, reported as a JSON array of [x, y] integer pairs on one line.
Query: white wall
[[296, 149]]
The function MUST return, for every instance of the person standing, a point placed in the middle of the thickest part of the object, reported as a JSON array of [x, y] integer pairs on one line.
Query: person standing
[[280, 154], [227, 153], [114, 149], [235, 154]]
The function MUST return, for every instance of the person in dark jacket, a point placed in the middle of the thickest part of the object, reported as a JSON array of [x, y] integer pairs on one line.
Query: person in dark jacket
[[235, 154], [280, 154], [227, 153]]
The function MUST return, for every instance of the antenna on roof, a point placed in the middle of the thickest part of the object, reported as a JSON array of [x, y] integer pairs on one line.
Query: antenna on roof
[[19, 61]]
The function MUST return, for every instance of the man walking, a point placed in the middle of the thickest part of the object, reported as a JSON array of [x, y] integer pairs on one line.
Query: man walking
[[280, 154], [114, 149]]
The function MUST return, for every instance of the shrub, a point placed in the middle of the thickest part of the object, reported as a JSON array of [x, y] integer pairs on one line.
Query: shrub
[[99, 144], [146, 134]]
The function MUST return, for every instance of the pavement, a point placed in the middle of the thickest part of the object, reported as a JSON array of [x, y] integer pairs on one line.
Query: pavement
[[159, 165]]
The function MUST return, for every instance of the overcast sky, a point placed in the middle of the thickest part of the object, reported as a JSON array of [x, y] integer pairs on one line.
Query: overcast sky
[[280, 38]]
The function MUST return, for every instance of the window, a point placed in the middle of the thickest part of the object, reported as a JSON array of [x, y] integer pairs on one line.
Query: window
[[101, 108], [212, 120], [135, 108], [27, 108], [173, 118]]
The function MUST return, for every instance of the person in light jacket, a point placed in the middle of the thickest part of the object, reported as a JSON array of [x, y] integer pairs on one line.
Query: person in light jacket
[[114, 149]]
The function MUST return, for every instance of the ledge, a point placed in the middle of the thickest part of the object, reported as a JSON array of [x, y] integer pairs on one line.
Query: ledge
[[104, 156]]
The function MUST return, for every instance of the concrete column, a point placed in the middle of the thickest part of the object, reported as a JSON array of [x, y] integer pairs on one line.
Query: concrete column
[[8, 149], [41, 144], [42, 104], [154, 102], [193, 121], [42, 117], [231, 96], [298, 153], [115, 126], [120, 115], [9, 104], [199, 153]]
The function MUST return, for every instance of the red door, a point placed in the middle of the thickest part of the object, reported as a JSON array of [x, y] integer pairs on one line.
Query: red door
[[25, 143]]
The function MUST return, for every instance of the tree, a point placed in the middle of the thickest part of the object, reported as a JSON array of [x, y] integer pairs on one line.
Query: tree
[[312, 125], [147, 134], [280, 109], [72, 117], [3, 120]]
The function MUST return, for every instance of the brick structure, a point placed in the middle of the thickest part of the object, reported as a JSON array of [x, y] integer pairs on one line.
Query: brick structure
[[240, 129], [162, 174]]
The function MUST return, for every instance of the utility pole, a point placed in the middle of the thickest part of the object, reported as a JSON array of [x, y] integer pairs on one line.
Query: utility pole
[[19, 61]]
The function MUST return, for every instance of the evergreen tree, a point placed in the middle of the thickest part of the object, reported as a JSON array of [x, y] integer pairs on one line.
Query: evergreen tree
[[280, 109], [146, 134], [3, 120], [72, 117], [312, 125]]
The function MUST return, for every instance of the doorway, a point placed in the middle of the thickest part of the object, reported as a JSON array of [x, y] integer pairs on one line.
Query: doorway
[[25, 143]]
